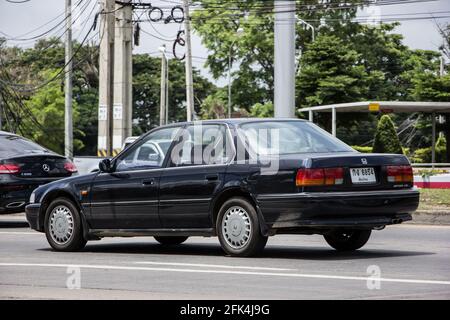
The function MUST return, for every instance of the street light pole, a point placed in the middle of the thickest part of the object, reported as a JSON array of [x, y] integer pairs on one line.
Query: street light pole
[[230, 63], [68, 124], [229, 82], [163, 99], [167, 89], [313, 36], [188, 65]]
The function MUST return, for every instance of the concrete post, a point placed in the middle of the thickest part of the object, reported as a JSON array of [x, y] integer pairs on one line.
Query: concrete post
[[284, 72], [106, 78], [68, 112], [122, 113]]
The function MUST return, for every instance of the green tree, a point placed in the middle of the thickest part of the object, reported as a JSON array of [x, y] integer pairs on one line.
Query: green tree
[[47, 107], [218, 22], [215, 106], [146, 92], [33, 66], [386, 139], [260, 110], [331, 73]]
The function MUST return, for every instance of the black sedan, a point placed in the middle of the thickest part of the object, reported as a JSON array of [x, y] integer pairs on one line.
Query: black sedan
[[242, 180], [24, 166]]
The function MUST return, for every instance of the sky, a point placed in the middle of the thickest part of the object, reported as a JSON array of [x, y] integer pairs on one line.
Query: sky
[[20, 18]]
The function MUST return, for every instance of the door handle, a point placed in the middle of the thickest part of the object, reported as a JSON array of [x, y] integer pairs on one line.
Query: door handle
[[148, 182], [212, 177]]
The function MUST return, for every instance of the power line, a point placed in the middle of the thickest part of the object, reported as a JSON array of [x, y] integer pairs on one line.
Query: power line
[[45, 32], [60, 72]]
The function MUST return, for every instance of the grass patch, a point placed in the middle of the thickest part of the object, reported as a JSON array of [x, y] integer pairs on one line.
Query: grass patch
[[434, 199]]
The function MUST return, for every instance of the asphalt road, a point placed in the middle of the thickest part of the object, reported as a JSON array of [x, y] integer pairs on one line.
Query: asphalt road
[[401, 262]]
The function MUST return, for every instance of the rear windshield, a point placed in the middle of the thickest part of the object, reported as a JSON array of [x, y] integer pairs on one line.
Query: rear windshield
[[289, 137], [13, 145]]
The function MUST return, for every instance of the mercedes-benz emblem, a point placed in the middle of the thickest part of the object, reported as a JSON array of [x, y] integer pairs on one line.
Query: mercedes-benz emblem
[[46, 167], [363, 160]]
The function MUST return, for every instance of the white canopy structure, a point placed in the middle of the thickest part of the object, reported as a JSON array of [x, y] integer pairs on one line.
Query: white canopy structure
[[387, 107]]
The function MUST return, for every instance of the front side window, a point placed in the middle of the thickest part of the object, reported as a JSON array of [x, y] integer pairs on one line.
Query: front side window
[[202, 144], [272, 138], [148, 153]]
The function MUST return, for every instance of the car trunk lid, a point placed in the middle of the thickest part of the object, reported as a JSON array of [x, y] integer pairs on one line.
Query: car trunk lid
[[39, 166]]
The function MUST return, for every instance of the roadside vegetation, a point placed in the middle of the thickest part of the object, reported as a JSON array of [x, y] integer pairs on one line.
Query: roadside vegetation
[[435, 199], [347, 62]]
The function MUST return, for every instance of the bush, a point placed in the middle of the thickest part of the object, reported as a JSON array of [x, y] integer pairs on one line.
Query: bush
[[386, 139], [363, 149], [260, 110], [423, 155]]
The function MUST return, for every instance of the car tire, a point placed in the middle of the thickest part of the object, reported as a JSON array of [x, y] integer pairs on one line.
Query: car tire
[[63, 227], [238, 228], [347, 240], [170, 240]]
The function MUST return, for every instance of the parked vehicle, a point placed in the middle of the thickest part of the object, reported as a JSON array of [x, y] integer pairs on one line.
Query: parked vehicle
[[25, 165], [88, 164], [242, 180]]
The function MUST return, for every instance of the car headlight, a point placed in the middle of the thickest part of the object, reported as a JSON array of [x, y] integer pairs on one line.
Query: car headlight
[[32, 197]]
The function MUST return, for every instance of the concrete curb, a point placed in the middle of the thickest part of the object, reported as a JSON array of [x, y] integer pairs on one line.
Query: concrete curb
[[434, 217]]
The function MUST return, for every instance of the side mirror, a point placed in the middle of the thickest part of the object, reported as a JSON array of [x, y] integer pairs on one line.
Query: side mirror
[[105, 165]]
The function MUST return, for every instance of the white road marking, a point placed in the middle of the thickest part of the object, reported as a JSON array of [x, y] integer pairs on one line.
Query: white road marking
[[211, 266], [19, 233], [272, 274]]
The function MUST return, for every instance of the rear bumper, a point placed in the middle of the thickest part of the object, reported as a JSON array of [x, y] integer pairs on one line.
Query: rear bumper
[[15, 201], [338, 209], [32, 214]]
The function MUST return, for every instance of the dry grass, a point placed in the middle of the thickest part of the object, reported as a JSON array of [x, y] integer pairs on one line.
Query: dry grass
[[435, 199]]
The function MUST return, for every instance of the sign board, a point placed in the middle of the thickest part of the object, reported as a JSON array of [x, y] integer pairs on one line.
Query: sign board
[[118, 110], [373, 106], [102, 112]]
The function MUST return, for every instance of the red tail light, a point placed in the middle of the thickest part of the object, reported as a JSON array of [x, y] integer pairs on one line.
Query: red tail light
[[9, 168], [319, 177], [69, 166], [398, 174]]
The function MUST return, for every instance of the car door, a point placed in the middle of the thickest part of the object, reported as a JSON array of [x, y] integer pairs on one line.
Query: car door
[[127, 198], [195, 173]]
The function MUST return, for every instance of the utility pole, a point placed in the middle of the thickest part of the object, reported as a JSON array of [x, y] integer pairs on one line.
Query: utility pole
[[163, 99], [106, 78], [68, 122], [167, 91], [1, 112], [188, 64], [123, 53], [239, 32], [284, 73]]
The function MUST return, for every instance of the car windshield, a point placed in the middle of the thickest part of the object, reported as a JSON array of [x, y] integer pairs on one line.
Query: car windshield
[[12, 145], [289, 137]]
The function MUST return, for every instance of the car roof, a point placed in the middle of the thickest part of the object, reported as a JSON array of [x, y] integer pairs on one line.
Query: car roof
[[237, 121]]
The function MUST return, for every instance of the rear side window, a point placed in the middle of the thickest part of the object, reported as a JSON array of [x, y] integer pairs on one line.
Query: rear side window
[[13, 145], [202, 144], [289, 137]]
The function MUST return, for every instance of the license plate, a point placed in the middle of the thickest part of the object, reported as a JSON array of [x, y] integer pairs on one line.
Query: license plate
[[363, 175]]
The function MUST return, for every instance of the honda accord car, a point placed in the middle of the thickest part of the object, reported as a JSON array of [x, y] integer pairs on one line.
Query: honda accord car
[[24, 166], [241, 180]]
